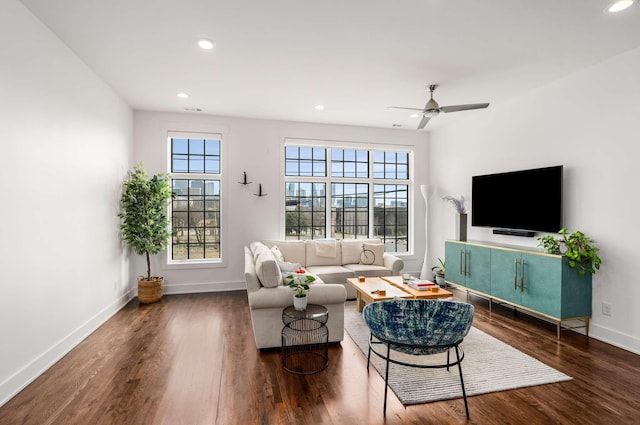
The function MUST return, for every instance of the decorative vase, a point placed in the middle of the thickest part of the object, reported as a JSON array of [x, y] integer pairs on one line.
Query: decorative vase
[[300, 303], [461, 227]]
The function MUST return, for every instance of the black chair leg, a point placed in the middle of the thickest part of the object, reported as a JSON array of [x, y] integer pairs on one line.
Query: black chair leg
[[464, 393], [369, 354], [386, 382]]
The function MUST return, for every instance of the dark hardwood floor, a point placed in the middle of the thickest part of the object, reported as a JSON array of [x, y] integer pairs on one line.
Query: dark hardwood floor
[[191, 359]]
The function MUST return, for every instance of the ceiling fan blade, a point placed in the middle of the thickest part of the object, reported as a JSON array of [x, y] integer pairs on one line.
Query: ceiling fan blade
[[410, 109], [423, 122], [456, 108]]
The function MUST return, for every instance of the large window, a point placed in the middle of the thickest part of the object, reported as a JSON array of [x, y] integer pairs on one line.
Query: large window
[[347, 194], [195, 210]]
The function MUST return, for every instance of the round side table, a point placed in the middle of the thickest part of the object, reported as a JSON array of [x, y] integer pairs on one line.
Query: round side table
[[305, 339]]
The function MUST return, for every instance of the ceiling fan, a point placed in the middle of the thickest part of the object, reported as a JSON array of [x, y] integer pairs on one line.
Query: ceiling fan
[[432, 109]]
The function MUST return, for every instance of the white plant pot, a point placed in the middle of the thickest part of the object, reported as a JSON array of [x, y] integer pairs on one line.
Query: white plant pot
[[440, 280], [299, 303]]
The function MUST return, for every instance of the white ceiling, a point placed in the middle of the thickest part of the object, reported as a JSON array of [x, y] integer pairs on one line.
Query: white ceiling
[[277, 59]]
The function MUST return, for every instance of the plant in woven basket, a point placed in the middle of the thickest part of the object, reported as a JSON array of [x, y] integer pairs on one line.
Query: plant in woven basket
[[144, 222], [578, 248]]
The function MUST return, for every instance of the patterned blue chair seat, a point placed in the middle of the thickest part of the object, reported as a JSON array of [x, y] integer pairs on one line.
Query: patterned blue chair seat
[[418, 327]]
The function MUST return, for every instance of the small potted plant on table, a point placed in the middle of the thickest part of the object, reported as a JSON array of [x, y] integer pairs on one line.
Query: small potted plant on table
[[299, 281], [439, 272]]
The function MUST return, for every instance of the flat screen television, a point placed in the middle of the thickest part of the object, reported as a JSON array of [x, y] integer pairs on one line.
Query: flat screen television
[[523, 200]]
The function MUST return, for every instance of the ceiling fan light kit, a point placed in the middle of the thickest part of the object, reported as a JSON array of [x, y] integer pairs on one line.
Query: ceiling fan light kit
[[432, 109]]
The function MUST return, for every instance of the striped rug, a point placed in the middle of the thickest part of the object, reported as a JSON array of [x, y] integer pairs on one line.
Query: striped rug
[[489, 365]]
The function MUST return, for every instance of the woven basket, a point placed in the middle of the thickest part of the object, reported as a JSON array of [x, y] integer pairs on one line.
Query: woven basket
[[150, 291]]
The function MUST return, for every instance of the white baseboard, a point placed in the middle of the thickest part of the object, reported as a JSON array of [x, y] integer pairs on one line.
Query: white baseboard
[[19, 380], [194, 288], [615, 338]]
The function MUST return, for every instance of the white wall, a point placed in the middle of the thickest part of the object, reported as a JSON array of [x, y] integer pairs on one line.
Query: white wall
[[66, 145], [587, 122], [254, 146]]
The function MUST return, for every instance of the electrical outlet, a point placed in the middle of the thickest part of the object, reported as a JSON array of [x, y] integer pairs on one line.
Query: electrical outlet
[[606, 308]]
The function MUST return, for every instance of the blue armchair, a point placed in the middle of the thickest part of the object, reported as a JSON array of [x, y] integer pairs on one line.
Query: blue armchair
[[418, 327]]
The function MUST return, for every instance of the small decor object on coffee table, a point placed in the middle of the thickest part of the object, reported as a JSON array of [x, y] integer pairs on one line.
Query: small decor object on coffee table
[[305, 339]]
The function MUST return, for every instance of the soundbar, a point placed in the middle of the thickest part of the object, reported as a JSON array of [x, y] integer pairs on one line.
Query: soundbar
[[512, 232]]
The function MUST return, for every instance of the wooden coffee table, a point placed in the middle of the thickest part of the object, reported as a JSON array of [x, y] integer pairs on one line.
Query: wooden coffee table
[[368, 291]]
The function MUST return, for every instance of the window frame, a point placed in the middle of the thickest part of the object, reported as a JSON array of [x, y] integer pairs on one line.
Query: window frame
[[169, 262], [370, 181]]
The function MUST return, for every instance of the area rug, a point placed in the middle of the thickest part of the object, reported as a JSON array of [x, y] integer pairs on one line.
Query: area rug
[[489, 365]]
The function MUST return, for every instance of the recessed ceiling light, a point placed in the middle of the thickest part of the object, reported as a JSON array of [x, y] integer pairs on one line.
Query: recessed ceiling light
[[319, 107], [620, 5], [206, 44], [182, 95], [414, 115]]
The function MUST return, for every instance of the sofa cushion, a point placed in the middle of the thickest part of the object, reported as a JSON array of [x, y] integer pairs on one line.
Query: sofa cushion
[[332, 274], [292, 250], [256, 248], [282, 296], [268, 270], [250, 277], [378, 252], [352, 248], [277, 254], [368, 270], [288, 268], [312, 249]]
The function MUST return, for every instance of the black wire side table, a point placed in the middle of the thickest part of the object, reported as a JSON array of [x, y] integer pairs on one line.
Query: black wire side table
[[305, 339]]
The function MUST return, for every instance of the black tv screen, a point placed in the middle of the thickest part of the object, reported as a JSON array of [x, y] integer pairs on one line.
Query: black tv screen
[[523, 200]]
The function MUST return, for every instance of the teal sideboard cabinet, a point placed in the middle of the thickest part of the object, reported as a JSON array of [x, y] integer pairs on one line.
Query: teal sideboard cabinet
[[525, 278]]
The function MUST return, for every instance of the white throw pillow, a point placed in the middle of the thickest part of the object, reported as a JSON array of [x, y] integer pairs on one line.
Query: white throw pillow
[[277, 254], [288, 268], [351, 250], [378, 252]]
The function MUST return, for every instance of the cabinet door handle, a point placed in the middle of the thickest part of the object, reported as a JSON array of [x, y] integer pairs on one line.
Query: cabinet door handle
[[466, 256], [522, 276], [461, 251], [515, 274]]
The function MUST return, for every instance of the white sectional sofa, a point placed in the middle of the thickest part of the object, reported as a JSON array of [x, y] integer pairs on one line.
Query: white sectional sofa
[[344, 264], [331, 262]]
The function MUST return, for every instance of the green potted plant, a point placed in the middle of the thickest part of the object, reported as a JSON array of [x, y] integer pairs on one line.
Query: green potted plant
[[578, 248], [299, 281], [144, 223], [439, 272]]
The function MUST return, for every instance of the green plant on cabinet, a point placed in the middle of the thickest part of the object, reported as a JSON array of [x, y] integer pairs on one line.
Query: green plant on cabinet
[[579, 249]]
